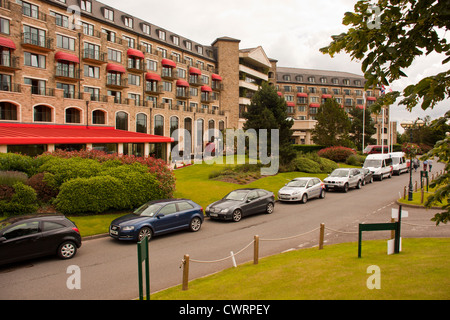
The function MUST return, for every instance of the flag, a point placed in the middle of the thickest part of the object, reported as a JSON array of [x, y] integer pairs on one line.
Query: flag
[[383, 89]]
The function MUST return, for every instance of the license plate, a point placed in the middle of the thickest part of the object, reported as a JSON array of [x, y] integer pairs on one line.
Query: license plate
[[213, 215]]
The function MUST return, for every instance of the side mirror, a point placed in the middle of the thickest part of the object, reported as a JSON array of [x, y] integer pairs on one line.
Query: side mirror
[[159, 215]]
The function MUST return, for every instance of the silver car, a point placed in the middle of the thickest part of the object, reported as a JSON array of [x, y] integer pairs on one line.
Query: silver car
[[302, 189], [343, 179]]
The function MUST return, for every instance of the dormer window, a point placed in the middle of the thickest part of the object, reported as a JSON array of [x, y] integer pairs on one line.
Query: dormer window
[[108, 14], [199, 49], [146, 28], [188, 45], [162, 35], [175, 40], [128, 21]]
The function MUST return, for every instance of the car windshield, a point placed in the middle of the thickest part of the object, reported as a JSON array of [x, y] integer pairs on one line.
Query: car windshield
[[339, 173], [372, 163], [237, 195], [147, 210], [395, 160], [297, 183], [5, 223]]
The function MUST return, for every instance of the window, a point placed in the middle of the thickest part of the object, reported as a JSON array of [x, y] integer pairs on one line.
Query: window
[[91, 51], [98, 117], [34, 36], [37, 86], [163, 52], [91, 71], [168, 209], [95, 93], [146, 28], [199, 49], [73, 115], [8, 111], [69, 89], [108, 14], [30, 10], [130, 41], [176, 40], [147, 47], [346, 82], [159, 125], [182, 206], [188, 45], [88, 29], [42, 114], [162, 35], [86, 5], [128, 21], [122, 121], [110, 35], [134, 79], [65, 42], [152, 65], [114, 55], [311, 79], [167, 86], [136, 97], [323, 80], [141, 123], [50, 225], [60, 20], [335, 81], [22, 230], [4, 25], [34, 60], [287, 78], [116, 94]]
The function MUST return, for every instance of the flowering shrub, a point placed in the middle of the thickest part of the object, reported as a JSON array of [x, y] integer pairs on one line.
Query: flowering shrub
[[337, 154], [411, 149]]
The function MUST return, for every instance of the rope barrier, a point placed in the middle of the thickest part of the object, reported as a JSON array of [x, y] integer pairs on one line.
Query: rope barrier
[[288, 238], [345, 232], [223, 259]]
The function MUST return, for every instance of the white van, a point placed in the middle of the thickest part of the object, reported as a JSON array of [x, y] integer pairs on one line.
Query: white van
[[399, 163], [380, 165]]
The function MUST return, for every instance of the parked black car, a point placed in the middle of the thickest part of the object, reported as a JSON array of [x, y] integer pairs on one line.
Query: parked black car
[[368, 176], [27, 237], [240, 203]]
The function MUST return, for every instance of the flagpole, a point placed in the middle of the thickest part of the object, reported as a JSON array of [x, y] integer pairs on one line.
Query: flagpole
[[364, 122]]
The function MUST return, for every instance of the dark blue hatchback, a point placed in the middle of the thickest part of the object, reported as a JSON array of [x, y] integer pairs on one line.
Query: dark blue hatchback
[[158, 217]]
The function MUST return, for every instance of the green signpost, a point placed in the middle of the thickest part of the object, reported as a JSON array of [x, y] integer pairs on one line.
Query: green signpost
[[142, 247], [382, 227], [423, 175]]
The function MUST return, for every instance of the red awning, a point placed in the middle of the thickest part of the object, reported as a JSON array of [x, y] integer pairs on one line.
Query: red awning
[[195, 71], [63, 56], [314, 105], [216, 77], [24, 134], [359, 106], [291, 104], [279, 93], [182, 83], [8, 43], [115, 68], [206, 89], [326, 96], [135, 53], [168, 63], [302, 95], [152, 76], [372, 98]]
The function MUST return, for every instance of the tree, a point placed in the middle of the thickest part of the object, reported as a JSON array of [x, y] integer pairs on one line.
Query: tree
[[268, 111], [387, 38], [403, 30], [333, 125], [358, 118]]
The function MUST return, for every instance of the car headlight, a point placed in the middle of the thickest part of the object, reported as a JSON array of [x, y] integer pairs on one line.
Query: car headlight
[[128, 228], [225, 210]]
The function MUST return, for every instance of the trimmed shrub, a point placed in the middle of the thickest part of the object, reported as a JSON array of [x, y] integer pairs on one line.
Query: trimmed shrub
[[18, 162], [23, 201], [355, 160], [44, 192], [91, 195], [304, 164], [337, 154], [9, 178], [327, 165]]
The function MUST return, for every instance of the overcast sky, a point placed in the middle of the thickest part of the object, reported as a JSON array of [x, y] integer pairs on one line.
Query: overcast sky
[[290, 31]]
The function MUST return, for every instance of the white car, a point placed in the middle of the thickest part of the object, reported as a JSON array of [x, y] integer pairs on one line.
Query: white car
[[302, 189], [380, 165], [399, 163], [343, 179]]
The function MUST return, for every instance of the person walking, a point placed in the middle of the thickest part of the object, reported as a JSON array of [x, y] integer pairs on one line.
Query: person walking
[[430, 164], [425, 165], [416, 164]]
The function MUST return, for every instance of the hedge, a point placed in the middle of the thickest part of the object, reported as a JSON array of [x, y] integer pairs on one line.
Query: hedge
[[337, 154], [23, 201]]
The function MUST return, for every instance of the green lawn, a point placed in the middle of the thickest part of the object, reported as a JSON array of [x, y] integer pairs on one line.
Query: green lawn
[[419, 272], [417, 196]]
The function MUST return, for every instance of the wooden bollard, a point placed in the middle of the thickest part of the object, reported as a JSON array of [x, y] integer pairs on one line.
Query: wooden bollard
[[422, 196], [256, 250], [185, 285], [321, 236], [392, 231], [415, 186], [404, 193]]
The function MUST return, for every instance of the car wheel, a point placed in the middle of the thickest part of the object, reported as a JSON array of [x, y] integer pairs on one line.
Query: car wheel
[[196, 224], [371, 180], [346, 187], [304, 198], [322, 194], [67, 250], [237, 215], [358, 185], [145, 232], [269, 208]]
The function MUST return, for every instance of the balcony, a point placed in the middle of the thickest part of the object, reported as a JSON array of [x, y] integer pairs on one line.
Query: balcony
[[67, 74], [114, 82], [49, 92], [169, 74], [135, 66], [153, 89], [10, 87], [9, 63], [32, 41], [217, 86], [182, 94], [94, 56]]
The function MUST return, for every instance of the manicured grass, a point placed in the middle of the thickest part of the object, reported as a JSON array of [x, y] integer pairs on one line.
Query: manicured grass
[[417, 196], [419, 272], [93, 225]]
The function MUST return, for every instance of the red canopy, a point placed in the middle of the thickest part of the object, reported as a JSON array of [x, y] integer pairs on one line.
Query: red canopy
[[314, 105], [24, 134], [206, 89], [216, 77], [135, 53], [194, 71], [182, 83], [168, 63], [302, 95], [152, 76], [115, 68], [8, 43], [64, 56]]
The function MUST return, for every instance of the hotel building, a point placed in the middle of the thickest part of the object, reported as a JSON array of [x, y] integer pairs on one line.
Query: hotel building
[[81, 74]]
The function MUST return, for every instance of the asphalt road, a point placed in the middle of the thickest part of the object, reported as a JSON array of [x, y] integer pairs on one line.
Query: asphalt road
[[108, 269]]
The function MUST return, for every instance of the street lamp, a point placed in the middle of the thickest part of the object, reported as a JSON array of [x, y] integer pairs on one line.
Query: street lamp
[[409, 125]]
